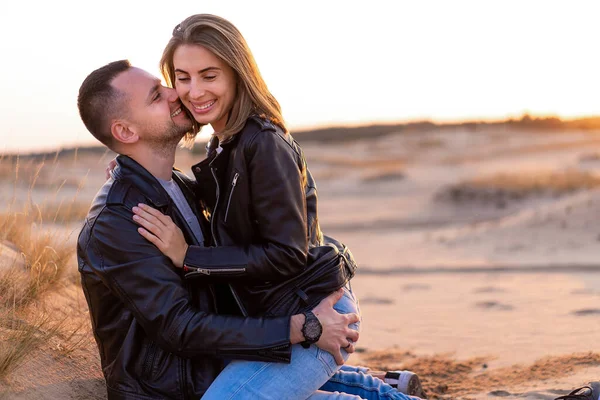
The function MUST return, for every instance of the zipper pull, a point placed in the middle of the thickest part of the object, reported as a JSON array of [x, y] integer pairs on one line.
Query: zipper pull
[[235, 178], [194, 270]]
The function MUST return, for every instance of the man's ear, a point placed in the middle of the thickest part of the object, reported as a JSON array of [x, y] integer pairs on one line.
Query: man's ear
[[123, 132]]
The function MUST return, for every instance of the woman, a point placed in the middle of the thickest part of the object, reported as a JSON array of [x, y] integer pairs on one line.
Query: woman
[[261, 203]]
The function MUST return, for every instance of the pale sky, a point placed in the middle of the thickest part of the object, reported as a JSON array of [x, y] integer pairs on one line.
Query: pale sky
[[327, 62]]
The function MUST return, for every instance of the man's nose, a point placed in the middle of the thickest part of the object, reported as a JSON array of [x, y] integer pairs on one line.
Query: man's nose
[[172, 94]]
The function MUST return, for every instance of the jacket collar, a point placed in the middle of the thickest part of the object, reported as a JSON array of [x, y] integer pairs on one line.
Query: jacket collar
[[129, 169]]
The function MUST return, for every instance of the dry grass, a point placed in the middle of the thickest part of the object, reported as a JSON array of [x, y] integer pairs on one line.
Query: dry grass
[[38, 267], [524, 151], [64, 211], [21, 337], [40, 172], [383, 175], [501, 188], [353, 162], [43, 260], [539, 181]]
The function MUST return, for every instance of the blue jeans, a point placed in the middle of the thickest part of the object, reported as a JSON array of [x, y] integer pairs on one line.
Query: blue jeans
[[312, 374], [356, 381]]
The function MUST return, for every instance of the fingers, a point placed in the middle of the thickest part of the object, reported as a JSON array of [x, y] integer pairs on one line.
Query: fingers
[[153, 228], [165, 219], [142, 214], [111, 165], [151, 238], [352, 318], [335, 296], [339, 360], [350, 348], [352, 335]]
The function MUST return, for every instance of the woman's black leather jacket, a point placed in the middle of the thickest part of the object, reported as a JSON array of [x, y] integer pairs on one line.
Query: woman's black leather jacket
[[261, 201]]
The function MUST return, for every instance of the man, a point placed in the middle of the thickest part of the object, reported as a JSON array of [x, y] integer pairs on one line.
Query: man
[[158, 337]]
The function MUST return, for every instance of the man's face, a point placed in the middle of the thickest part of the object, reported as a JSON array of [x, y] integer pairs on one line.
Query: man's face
[[154, 111]]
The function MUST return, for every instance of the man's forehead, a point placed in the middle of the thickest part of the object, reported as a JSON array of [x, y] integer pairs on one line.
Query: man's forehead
[[134, 79]]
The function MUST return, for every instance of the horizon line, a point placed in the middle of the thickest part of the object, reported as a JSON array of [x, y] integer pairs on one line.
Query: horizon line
[[525, 117]]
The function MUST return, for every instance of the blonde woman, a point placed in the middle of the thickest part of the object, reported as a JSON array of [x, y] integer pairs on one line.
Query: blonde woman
[[267, 254]]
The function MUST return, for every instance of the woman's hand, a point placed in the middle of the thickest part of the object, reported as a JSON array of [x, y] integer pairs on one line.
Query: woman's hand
[[111, 165], [161, 231]]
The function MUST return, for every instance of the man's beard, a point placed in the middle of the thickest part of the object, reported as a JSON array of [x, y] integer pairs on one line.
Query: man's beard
[[164, 143]]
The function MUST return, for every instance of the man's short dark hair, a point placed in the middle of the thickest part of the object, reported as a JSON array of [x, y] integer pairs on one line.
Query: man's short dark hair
[[99, 103]]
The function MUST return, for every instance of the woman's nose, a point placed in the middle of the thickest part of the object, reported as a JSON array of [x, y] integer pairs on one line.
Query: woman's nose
[[196, 91]]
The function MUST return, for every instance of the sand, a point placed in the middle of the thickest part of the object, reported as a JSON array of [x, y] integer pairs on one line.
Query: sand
[[484, 295]]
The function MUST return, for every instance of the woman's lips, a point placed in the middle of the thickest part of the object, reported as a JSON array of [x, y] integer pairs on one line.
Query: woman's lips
[[204, 107]]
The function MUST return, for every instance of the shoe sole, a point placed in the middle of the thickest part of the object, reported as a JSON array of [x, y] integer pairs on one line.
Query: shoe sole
[[414, 387]]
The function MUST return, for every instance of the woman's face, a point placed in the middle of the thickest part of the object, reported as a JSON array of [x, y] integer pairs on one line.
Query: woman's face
[[205, 84]]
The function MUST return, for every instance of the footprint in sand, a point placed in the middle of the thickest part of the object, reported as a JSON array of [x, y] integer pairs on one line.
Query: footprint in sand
[[493, 305], [489, 289], [584, 292], [500, 393], [376, 300], [416, 286], [586, 311]]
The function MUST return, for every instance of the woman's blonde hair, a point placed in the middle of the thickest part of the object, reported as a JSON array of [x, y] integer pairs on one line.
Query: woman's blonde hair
[[224, 40]]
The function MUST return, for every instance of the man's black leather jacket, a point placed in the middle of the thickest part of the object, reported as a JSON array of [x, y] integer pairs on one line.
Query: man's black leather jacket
[[158, 338], [262, 202]]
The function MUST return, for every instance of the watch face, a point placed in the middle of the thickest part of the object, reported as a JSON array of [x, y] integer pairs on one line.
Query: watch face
[[312, 329]]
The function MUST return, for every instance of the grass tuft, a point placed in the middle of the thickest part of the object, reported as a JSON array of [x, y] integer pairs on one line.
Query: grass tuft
[[36, 260]]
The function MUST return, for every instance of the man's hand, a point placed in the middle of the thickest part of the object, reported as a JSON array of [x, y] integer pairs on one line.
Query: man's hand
[[111, 165], [336, 333]]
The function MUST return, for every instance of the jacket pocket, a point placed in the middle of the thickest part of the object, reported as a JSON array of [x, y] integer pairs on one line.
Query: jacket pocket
[[234, 181]]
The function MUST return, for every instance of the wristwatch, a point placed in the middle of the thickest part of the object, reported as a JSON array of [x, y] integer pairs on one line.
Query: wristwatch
[[311, 329]]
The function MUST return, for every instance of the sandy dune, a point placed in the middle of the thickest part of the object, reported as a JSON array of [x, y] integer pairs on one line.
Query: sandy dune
[[486, 295]]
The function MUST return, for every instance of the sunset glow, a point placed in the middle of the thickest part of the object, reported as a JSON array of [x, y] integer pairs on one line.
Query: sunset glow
[[327, 63]]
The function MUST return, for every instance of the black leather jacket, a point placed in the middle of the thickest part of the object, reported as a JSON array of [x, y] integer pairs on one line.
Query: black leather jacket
[[158, 338], [264, 215]]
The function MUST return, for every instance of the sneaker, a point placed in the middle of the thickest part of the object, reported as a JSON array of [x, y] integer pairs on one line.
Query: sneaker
[[405, 382], [590, 392]]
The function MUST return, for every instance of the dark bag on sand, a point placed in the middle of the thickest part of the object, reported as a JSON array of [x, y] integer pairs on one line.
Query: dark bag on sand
[[329, 268]]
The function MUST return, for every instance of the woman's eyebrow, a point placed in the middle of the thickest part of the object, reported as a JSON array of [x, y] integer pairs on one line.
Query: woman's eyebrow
[[201, 71]]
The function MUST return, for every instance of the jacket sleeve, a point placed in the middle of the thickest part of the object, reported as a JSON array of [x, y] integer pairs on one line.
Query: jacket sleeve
[[150, 287], [278, 199]]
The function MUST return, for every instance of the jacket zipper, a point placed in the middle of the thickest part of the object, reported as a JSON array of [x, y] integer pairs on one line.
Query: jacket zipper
[[212, 230], [233, 183], [206, 271], [212, 219], [184, 389], [149, 360]]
